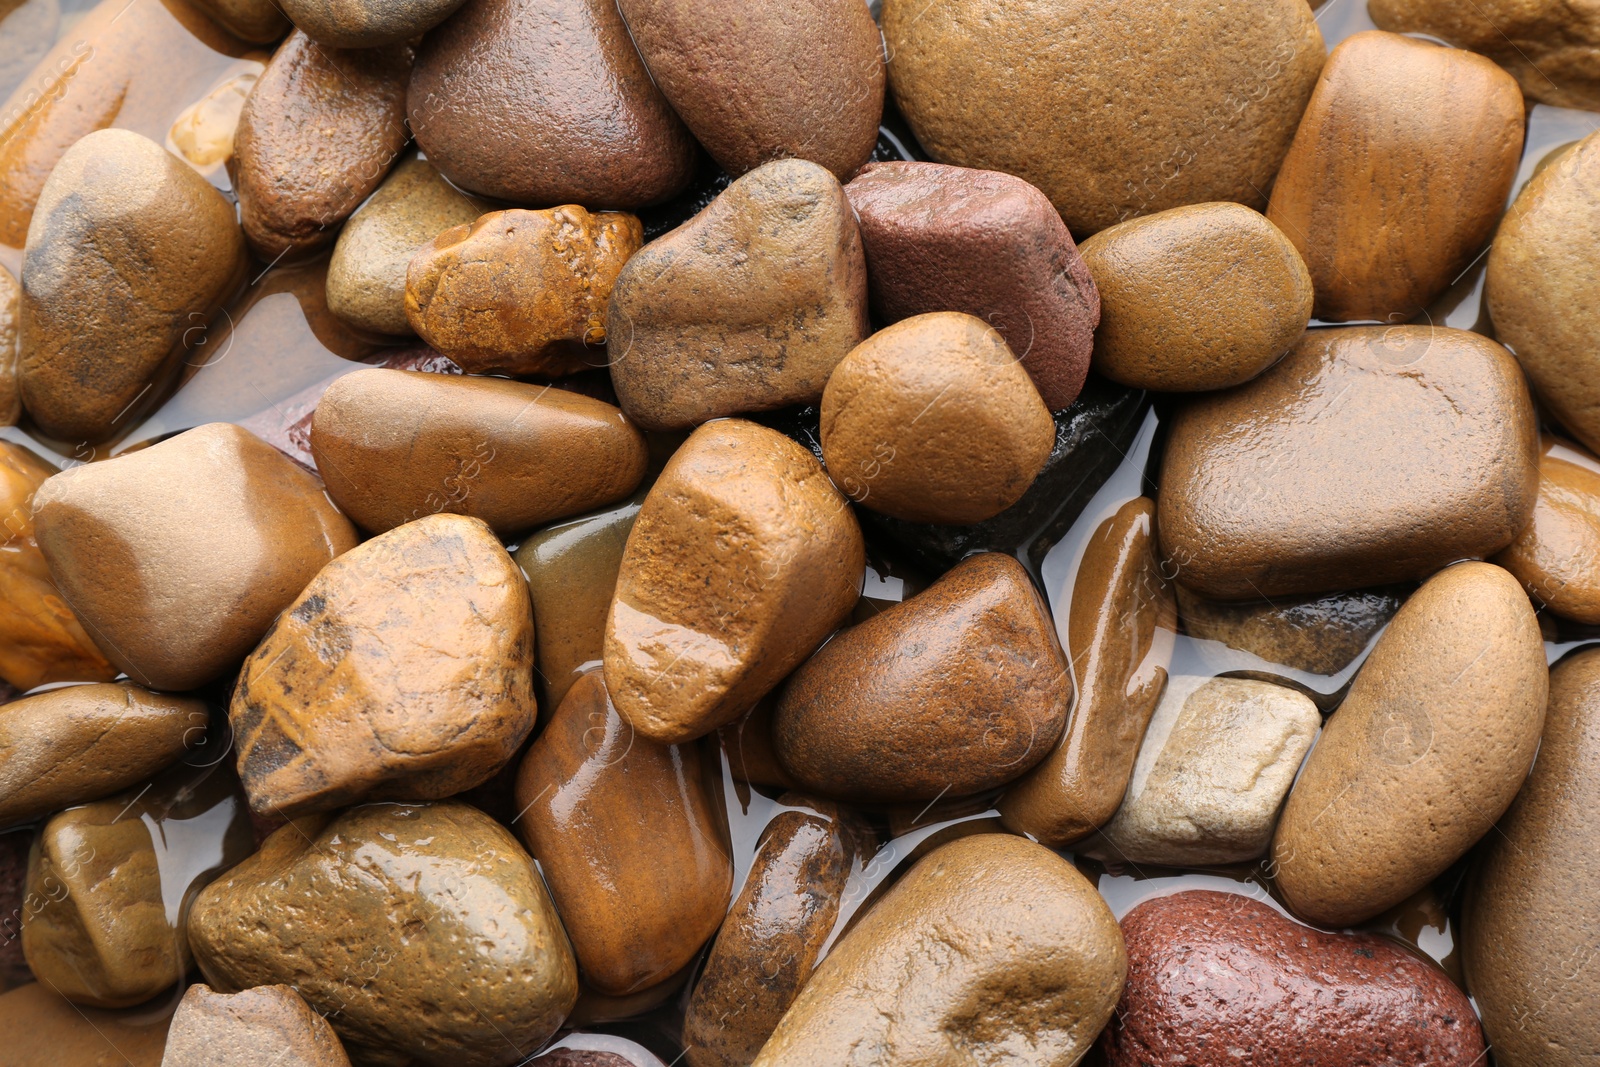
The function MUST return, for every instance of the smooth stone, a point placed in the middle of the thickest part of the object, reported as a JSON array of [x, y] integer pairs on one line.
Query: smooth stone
[[44, 1028], [1322, 633], [962, 688], [367, 274], [941, 238], [41, 640], [256, 21], [992, 949], [743, 558], [204, 132], [546, 102], [521, 292], [1114, 110], [934, 419], [27, 30], [799, 80], [178, 557], [268, 1025], [317, 135], [629, 841], [1208, 970], [394, 445], [1119, 639], [1556, 557], [1542, 291], [367, 23], [129, 250], [1531, 914], [402, 672], [748, 306], [1426, 752], [107, 880], [747, 744], [1195, 298], [1398, 173], [10, 368], [460, 958], [1367, 455], [65, 747]]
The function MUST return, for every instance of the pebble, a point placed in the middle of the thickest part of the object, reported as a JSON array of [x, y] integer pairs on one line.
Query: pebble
[[743, 558], [367, 274], [178, 557], [521, 292], [934, 419], [748, 306], [1115, 111], [460, 950], [628, 839], [266, 1025], [204, 133], [317, 134], [747, 742], [10, 384], [44, 1028], [1194, 298], [1209, 971], [930, 975], [1426, 752], [1532, 912], [1541, 290], [941, 238], [1366, 455], [962, 688], [65, 747], [402, 672], [1556, 557], [1321, 633], [129, 251], [14, 848], [801, 80], [1398, 173], [546, 102], [366, 23], [256, 21]]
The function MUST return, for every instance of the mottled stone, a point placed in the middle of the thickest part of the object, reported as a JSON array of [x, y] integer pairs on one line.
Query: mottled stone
[[44, 1028], [1322, 633], [266, 1025], [1556, 557], [367, 23]]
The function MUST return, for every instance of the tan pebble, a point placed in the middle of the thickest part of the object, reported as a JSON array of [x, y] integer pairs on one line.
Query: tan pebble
[[204, 132], [267, 1024], [1557, 555], [46, 1028]]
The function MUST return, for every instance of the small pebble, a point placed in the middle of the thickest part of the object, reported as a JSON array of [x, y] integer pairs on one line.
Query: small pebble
[[268, 1024], [366, 23], [1556, 557]]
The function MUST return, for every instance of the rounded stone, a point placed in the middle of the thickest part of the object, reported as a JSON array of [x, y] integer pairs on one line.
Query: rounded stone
[[269, 1024], [257, 21], [1321, 633], [366, 23], [1556, 557]]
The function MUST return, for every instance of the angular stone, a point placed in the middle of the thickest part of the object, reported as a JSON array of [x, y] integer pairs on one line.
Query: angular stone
[[1398, 173], [129, 251], [1557, 555], [257, 21], [268, 1024], [179, 556], [749, 306], [521, 292], [403, 671], [1423, 756], [10, 383], [367, 23], [743, 558], [460, 951], [1367, 455], [1322, 633], [45, 1028], [960, 689]]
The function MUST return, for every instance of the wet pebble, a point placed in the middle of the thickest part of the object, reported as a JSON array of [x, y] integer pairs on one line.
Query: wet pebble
[[46, 1028], [268, 1024], [366, 23], [257, 21], [1556, 557], [1321, 633], [10, 384]]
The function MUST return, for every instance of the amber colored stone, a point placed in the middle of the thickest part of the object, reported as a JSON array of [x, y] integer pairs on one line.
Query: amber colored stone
[[45, 1028], [747, 743], [1556, 557], [269, 1024]]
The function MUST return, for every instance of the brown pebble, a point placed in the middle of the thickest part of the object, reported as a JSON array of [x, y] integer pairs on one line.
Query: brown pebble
[[1321, 633], [45, 1028], [367, 23], [1557, 555], [267, 1025], [747, 744], [257, 21], [10, 384]]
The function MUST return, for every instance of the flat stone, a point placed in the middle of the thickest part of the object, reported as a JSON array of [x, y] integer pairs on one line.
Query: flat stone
[[367, 23], [1320, 633], [266, 1025], [1557, 555], [46, 1028]]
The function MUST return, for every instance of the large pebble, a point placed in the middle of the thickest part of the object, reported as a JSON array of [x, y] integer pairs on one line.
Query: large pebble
[[44, 1028], [402, 671], [366, 23], [992, 949], [546, 102], [1398, 173], [743, 558], [10, 369], [460, 958], [128, 253], [1556, 557], [267, 1025], [1425, 753], [748, 306], [959, 689], [1367, 455], [1320, 633], [1211, 975]]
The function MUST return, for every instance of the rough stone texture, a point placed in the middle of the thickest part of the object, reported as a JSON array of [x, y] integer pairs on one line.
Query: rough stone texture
[[10, 369], [1556, 557], [1398, 173], [748, 306], [1542, 291], [1322, 633], [1195, 298], [129, 250], [941, 238], [367, 23], [461, 950], [992, 949], [546, 102], [178, 557], [1209, 970], [1425, 753], [257, 21], [521, 292], [46, 1029], [316, 136], [1367, 455], [266, 1025], [1531, 915], [1113, 110], [983, 699], [744, 557], [402, 672]]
